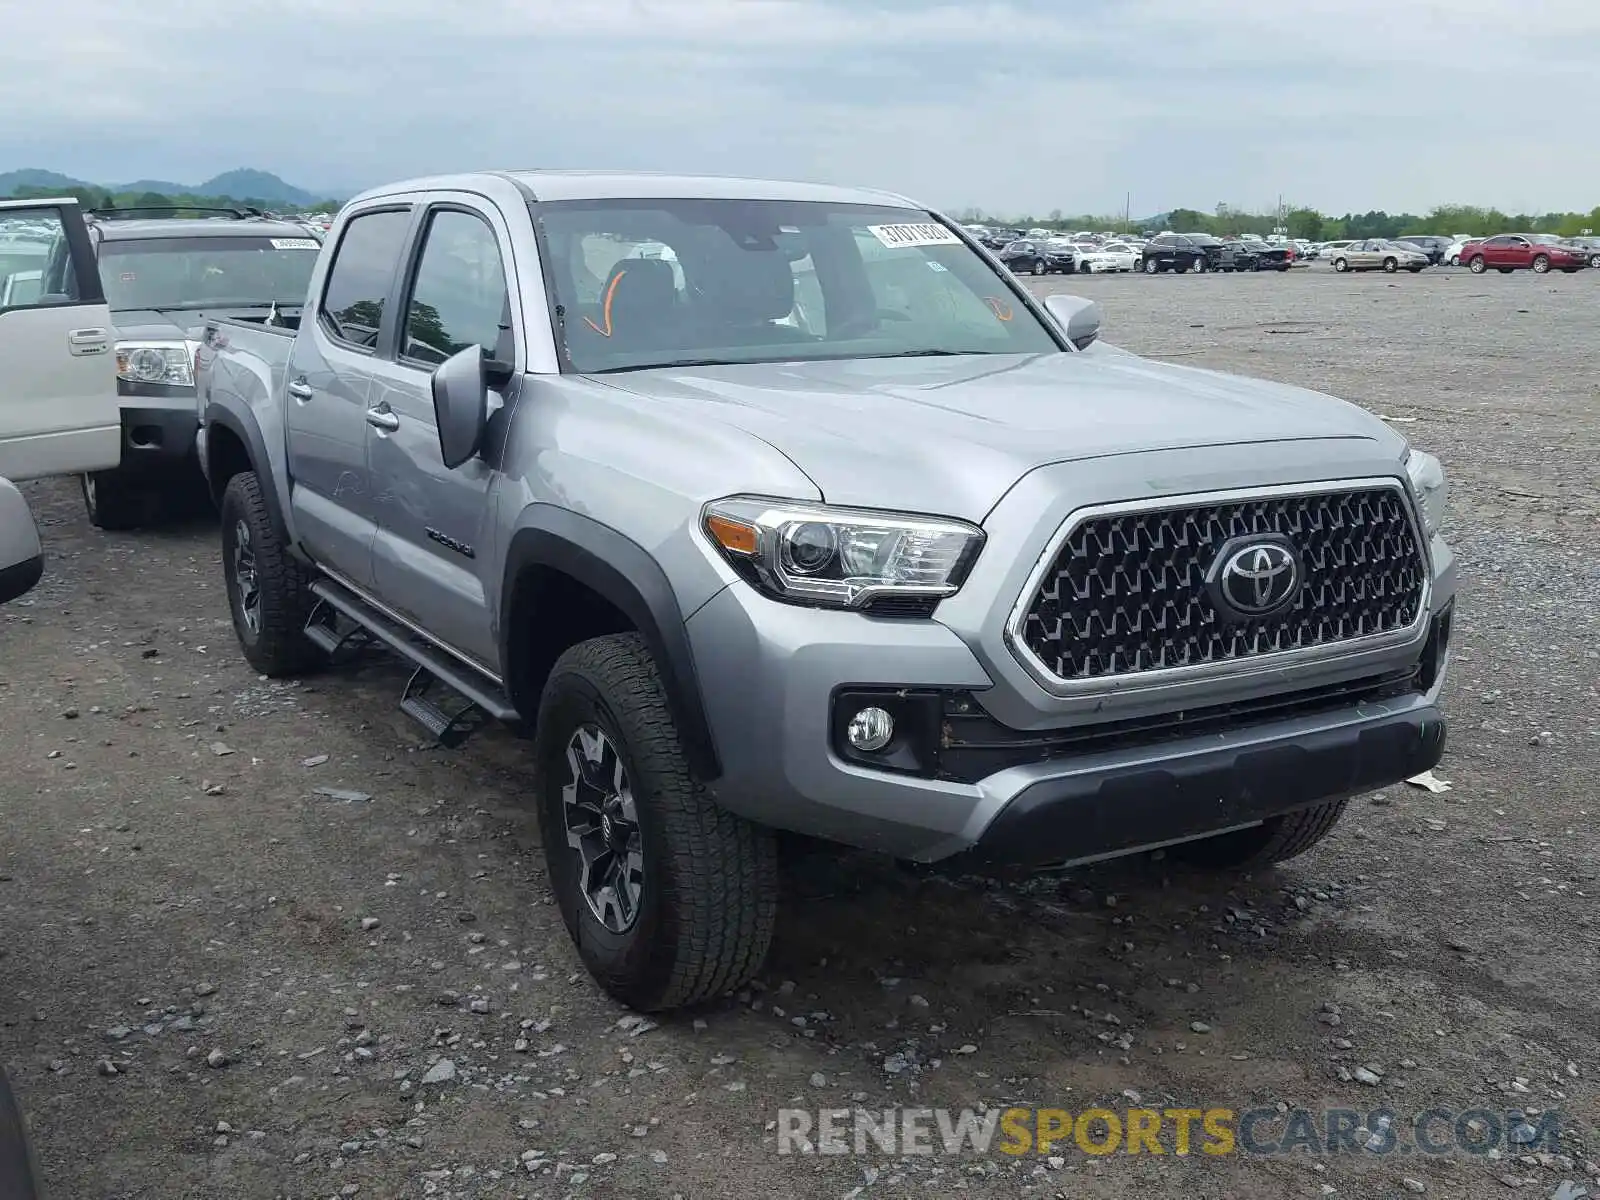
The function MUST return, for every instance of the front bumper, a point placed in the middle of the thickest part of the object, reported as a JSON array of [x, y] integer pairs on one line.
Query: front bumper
[[159, 423], [784, 680]]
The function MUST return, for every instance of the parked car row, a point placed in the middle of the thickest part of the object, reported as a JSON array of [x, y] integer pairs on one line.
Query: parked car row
[[1505, 252]]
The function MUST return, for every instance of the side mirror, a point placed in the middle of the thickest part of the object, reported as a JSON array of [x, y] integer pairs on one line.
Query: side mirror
[[1078, 316], [461, 404], [21, 556]]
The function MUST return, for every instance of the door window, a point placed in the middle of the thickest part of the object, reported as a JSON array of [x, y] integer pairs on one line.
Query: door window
[[36, 261], [459, 296], [362, 272]]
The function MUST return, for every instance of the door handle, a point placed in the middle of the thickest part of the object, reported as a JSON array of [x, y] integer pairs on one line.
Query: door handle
[[301, 390], [382, 417], [83, 343]]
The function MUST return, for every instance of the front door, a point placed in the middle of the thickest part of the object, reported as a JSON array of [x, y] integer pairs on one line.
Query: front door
[[434, 523], [329, 381], [59, 412]]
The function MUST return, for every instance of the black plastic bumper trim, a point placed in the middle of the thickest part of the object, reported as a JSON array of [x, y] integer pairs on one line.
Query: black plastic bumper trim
[[1190, 795], [176, 444]]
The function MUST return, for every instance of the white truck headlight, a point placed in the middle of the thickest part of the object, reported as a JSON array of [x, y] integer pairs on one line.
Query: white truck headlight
[[155, 362], [840, 557], [1426, 474]]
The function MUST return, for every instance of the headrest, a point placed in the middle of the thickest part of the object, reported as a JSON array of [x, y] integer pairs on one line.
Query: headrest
[[760, 286], [639, 289]]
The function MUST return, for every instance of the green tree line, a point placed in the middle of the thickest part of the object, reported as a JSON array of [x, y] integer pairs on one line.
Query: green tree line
[[103, 198], [1313, 226]]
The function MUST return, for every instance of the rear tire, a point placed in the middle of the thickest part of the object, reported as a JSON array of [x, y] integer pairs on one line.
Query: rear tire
[[1151, 267], [114, 503], [1390, 266], [1455, 260], [1341, 265], [1275, 840], [269, 593], [1476, 265], [701, 883]]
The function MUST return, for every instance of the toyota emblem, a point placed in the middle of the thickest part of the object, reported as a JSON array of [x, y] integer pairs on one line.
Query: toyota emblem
[[1255, 577]]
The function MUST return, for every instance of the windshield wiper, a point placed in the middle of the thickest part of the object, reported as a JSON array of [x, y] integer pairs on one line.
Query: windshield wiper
[[927, 354], [671, 362]]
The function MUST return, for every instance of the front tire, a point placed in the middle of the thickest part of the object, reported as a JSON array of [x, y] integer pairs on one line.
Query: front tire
[[1038, 266], [1541, 263], [1201, 266], [269, 594], [113, 503], [670, 899], [1275, 840]]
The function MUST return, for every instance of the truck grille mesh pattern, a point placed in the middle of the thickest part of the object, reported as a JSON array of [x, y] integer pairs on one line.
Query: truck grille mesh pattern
[[1126, 592]]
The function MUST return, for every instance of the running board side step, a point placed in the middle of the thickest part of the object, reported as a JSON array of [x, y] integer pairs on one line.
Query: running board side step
[[449, 723]]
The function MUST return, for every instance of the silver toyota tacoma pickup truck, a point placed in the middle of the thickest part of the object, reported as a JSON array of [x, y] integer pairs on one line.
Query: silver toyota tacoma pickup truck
[[777, 507]]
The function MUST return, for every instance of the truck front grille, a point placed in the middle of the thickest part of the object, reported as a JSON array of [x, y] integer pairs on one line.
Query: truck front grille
[[1125, 591]]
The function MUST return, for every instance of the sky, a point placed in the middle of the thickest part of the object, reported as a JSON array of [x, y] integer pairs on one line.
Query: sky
[[1018, 107]]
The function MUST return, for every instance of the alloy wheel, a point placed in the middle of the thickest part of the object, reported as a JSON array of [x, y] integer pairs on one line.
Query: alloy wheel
[[246, 578], [602, 826]]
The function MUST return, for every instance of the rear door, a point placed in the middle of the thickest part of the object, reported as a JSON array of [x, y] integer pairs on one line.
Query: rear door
[[58, 387], [433, 522], [329, 384]]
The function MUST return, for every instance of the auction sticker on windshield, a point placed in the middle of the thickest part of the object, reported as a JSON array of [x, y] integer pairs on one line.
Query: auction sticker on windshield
[[295, 244], [897, 236]]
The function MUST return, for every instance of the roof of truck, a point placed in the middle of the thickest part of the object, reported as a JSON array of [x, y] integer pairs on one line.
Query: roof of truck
[[620, 185], [189, 227]]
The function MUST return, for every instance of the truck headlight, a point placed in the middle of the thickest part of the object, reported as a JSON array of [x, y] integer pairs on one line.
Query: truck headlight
[[1428, 484], [840, 557], [155, 362]]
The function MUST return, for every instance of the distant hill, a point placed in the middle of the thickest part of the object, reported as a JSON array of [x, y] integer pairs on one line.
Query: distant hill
[[10, 181], [257, 185], [242, 184]]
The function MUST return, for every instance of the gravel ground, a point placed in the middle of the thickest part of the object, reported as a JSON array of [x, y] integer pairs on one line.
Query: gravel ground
[[260, 942]]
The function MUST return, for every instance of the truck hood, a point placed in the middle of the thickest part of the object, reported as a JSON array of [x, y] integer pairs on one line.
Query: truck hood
[[176, 324], [952, 435]]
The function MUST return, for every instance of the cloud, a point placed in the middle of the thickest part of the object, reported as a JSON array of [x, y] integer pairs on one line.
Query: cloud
[[1013, 105]]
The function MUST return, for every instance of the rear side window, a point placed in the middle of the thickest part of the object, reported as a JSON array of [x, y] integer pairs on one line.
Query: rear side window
[[459, 295], [363, 269]]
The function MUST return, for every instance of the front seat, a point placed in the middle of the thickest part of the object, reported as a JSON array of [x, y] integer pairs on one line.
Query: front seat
[[639, 306]]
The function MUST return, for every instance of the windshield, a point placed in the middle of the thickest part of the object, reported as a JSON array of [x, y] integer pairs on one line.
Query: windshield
[[207, 272], [771, 281]]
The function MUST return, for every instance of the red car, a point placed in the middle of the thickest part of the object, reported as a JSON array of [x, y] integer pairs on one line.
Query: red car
[[1513, 251]]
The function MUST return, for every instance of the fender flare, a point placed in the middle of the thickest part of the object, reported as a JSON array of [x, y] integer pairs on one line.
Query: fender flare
[[255, 445], [614, 566]]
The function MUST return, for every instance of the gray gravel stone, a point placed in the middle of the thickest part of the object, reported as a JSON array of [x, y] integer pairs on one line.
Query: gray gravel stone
[[443, 1071]]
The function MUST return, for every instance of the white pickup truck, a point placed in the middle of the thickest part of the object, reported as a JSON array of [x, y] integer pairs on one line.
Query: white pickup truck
[[59, 412]]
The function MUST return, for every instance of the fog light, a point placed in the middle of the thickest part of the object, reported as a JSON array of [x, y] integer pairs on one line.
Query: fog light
[[870, 729]]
